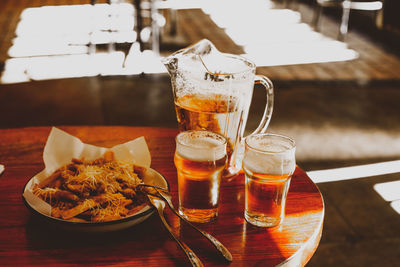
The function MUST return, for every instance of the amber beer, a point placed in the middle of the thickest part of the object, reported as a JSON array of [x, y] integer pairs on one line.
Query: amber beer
[[268, 164], [266, 196], [200, 159], [212, 112]]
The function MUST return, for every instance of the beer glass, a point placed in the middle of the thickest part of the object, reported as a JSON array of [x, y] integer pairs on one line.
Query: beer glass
[[268, 164], [200, 158], [213, 91]]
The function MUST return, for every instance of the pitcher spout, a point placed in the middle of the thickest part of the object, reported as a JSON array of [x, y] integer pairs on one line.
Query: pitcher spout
[[171, 64]]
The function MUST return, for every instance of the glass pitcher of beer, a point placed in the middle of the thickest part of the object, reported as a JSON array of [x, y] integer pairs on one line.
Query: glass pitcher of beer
[[213, 91]]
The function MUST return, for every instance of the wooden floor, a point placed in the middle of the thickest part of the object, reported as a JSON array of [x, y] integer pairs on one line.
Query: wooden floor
[[340, 114]]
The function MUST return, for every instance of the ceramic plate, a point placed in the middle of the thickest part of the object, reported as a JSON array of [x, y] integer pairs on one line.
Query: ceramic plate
[[139, 217]]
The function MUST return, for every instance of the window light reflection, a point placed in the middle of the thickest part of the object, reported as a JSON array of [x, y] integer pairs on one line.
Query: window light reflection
[[54, 42], [396, 205], [55, 30], [354, 172], [389, 191], [272, 37], [85, 65]]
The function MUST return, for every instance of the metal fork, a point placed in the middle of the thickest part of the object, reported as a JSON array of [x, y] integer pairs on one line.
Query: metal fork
[[159, 205], [167, 199]]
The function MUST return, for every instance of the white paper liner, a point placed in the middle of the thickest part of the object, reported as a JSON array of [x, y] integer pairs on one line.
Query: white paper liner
[[61, 147]]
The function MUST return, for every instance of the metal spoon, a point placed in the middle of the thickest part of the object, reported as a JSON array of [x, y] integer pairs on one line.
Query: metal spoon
[[159, 205], [217, 244]]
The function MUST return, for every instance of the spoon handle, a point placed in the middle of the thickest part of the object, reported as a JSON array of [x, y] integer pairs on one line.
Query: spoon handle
[[194, 260], [216, 243]]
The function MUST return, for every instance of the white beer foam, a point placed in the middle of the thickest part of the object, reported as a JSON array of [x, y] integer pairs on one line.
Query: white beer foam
[[271, 164], [202, 149], [223, 63]]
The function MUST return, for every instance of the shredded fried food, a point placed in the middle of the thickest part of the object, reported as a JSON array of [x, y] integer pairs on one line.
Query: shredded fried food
[[94, 191]]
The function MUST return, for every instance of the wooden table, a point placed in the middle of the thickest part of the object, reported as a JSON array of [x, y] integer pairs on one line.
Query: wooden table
[[25, 240]]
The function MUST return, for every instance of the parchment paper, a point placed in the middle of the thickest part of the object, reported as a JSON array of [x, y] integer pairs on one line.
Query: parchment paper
[[61, 147]]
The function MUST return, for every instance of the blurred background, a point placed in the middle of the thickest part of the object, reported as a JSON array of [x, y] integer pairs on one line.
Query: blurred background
[[335, 66]]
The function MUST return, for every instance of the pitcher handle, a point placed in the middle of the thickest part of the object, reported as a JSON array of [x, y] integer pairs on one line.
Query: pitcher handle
[[263, 80]]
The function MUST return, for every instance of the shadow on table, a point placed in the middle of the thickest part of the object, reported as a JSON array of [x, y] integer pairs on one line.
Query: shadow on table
[[146, 242]]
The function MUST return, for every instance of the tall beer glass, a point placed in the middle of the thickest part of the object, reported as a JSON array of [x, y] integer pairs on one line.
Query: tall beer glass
[[200, 159], [268, 163]]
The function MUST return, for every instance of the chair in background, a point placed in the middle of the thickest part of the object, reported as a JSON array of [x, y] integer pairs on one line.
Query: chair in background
[[346, 6]]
